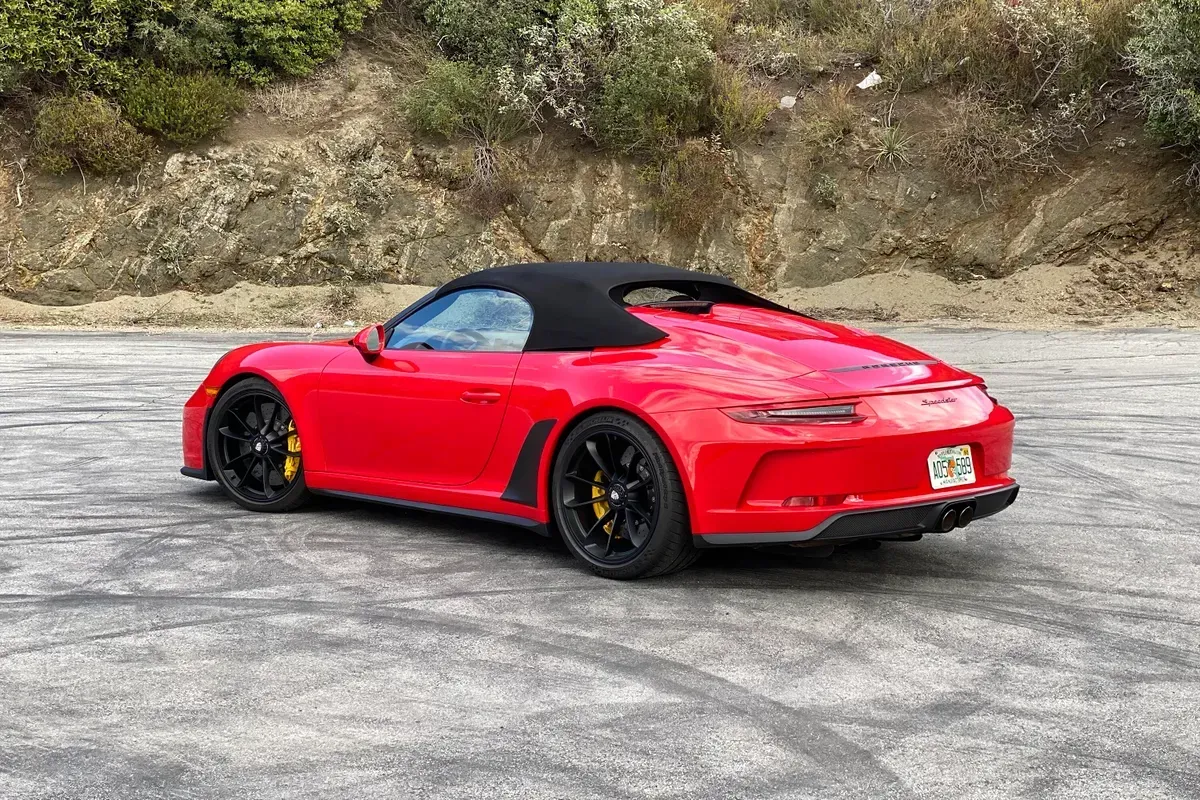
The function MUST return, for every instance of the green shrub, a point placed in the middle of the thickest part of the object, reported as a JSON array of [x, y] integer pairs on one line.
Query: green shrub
[[825, 191], [287, 37], [631, 74], [10, 78], [89, 132], [691, 186], [716, 17], [84, 42], [460, 99], [1166, 54], [182, 108], [97, 43], [486, 32], [192, 38], [655, 80]]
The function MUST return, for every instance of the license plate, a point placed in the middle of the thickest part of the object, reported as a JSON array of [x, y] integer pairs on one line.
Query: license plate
[[951, 466]]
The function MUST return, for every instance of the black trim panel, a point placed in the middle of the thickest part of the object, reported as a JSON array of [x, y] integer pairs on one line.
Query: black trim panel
[[523, 483], [901, 519], [490, 516], [192, 472]]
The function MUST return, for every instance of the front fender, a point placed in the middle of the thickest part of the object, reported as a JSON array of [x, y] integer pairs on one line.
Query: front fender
[[294, 369]]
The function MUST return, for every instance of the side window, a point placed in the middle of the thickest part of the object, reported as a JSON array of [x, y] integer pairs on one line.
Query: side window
[[488, 320]]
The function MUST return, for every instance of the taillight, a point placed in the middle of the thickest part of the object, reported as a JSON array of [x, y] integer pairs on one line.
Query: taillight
[[834, 413]]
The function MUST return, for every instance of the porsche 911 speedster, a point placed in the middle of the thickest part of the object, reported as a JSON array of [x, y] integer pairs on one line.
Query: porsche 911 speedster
[[640, 412]]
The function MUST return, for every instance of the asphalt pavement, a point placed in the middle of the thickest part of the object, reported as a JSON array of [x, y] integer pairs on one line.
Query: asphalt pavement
[[156, 641]]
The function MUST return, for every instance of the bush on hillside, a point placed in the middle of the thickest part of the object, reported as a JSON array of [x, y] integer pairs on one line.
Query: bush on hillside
[[460, 99], [631, 74], [96, 45], [81, 42], [192, 38], [1166, 54], [982, 141], [828, 118], [491, 33], [654, 81], [10, 78], [88, 132], [181, 108], [287, 38]]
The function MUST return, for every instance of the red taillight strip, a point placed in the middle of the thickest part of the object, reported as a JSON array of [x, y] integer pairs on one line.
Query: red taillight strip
[[798, 415]]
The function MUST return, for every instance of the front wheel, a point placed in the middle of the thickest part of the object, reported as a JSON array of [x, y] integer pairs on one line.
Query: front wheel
[[254, 448], [618, 499]]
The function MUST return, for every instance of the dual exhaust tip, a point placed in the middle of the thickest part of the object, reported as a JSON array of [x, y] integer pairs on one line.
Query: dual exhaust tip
[[958, 516]]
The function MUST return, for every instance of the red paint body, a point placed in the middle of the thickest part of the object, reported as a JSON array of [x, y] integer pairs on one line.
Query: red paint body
[[445, 428]]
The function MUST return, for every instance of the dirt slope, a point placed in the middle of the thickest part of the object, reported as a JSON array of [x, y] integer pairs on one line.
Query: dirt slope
[[319, 185]]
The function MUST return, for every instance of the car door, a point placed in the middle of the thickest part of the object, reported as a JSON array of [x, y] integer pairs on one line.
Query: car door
[[428, 408]]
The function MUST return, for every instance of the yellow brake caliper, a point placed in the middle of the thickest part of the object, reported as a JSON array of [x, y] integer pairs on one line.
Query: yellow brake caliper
[[292, 464], [601, 506]]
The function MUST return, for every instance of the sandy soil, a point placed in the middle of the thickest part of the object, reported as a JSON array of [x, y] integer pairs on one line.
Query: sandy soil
[[245, 306], [1106, 291], [1103, 292]]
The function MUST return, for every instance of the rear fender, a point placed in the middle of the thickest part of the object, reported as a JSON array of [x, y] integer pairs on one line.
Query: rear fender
[[597, 406]]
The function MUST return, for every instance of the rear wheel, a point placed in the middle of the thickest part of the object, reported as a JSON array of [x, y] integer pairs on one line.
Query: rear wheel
[[618, 499], [254, 448]]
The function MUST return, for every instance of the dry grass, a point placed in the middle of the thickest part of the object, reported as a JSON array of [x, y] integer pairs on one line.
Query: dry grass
[[828, 117], [982, 141], [738, 105], [340, 301], [491, 187], [717, 17], [398, 38], [1012, 52], [288, 102], [691, 187]]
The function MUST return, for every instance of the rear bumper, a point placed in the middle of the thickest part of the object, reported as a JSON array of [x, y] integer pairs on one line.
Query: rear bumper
[[908, 518]]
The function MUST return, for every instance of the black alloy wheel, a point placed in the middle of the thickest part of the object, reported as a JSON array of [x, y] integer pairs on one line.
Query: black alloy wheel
[[254, 448], [618, 500]]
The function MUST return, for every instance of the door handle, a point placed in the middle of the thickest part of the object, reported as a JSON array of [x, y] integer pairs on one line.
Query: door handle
[[485, 397]]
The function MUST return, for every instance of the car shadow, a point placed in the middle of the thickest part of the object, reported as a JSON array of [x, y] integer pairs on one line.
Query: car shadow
[[340, 524]]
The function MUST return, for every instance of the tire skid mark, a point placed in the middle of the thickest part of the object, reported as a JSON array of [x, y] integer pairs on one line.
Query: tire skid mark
[[125, 633], [1022, 614], [794, 729], [988, 745], [116, 530], [69, 423]]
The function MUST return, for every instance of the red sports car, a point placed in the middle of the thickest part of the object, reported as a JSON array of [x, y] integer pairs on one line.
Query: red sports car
[[641, 412]]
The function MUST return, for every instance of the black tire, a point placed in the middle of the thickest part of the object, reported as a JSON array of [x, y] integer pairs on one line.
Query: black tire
[[248, 448], [647, 532]]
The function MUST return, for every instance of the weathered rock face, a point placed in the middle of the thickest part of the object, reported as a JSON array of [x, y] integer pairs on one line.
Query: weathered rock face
[[344, 202]]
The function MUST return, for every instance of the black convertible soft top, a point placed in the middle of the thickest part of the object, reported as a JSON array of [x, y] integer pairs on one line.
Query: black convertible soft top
[[579, 305]]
